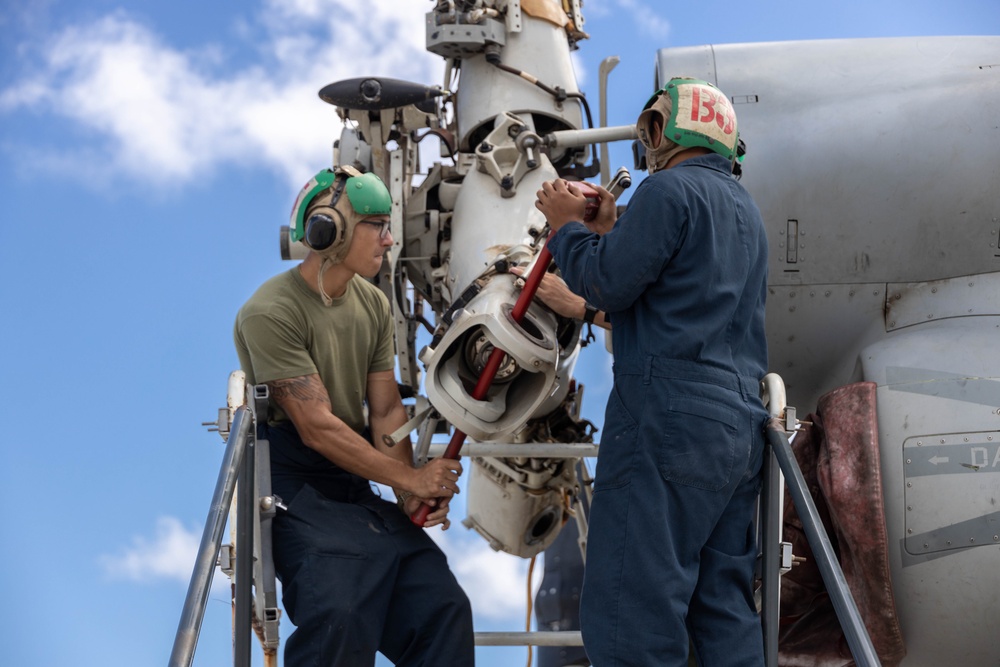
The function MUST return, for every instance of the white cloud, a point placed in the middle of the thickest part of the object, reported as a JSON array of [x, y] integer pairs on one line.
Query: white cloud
[[494, 581], [157, 109], [647, 16], [169, 555]]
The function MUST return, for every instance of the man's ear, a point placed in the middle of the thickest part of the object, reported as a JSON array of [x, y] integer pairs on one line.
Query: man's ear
[[657, 128]]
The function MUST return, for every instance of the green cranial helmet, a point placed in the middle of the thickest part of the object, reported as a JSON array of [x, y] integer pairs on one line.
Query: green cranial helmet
[[693, 113], [366, 196]]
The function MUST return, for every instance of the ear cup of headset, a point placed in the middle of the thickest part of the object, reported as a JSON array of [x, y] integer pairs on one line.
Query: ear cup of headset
[[325, 228]]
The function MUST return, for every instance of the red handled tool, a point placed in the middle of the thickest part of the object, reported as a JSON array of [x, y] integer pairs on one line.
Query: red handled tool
[[492, 365]]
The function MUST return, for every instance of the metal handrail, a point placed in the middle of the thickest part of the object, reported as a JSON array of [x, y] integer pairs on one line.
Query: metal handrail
[[540, 638], [193, 613]]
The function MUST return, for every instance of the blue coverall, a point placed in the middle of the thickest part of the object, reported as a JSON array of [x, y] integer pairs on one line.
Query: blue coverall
[[671, 548], [357, 575]]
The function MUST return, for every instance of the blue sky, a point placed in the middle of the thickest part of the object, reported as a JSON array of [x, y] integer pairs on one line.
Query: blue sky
[[148, 154]]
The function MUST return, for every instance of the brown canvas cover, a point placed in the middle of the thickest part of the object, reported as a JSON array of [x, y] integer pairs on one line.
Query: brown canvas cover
[[838, 454]]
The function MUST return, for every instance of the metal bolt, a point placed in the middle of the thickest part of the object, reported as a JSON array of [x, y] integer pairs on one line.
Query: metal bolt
[[908, 461], [909, 509], [909, 531], [909, 485]]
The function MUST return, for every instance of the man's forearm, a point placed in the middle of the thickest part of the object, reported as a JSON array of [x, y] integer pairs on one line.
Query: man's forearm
[[382, 429]]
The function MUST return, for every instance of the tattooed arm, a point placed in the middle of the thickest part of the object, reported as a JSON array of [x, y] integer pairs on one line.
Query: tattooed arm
[[306, 402]]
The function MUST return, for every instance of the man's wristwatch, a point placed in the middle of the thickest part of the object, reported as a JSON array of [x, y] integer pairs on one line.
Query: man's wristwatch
[[589, 313]]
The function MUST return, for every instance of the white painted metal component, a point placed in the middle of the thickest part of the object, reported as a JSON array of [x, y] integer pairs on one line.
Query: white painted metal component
[[603, 71], [504, 154], [525, 381], [773, 394], [546, 450], [236, 397], [491, 222], [517, 505], [597, 135], [787, 558], [540, 50]]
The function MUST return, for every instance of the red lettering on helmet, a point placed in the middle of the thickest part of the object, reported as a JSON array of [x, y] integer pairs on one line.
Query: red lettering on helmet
[[703, 109]]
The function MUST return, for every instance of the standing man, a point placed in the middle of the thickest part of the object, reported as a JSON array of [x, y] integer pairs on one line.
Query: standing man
[[357, 575], [683, 277]]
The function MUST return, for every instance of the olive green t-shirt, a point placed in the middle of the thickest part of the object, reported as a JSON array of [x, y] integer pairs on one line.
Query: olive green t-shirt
[[284, 331]]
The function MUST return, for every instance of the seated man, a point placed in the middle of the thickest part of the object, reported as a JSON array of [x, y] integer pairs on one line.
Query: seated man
[[358, 576]]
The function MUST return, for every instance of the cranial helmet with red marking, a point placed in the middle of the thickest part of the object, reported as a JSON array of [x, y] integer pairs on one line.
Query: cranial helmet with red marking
[[689, 113]]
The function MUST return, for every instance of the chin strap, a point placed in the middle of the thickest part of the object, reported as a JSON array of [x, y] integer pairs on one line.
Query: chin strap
[[327, 262]]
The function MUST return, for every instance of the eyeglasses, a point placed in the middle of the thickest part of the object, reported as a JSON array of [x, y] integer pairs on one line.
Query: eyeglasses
[[383, 227]]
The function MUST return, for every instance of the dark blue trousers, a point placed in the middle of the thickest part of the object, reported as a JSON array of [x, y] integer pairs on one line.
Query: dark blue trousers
[[671, 547], [358, 577]]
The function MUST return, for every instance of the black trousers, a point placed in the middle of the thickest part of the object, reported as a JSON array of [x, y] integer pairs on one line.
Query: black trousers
[[358, 577]]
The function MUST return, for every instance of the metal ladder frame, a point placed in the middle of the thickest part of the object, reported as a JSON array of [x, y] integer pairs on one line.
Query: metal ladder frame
[[246, 458], [245, 473]]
